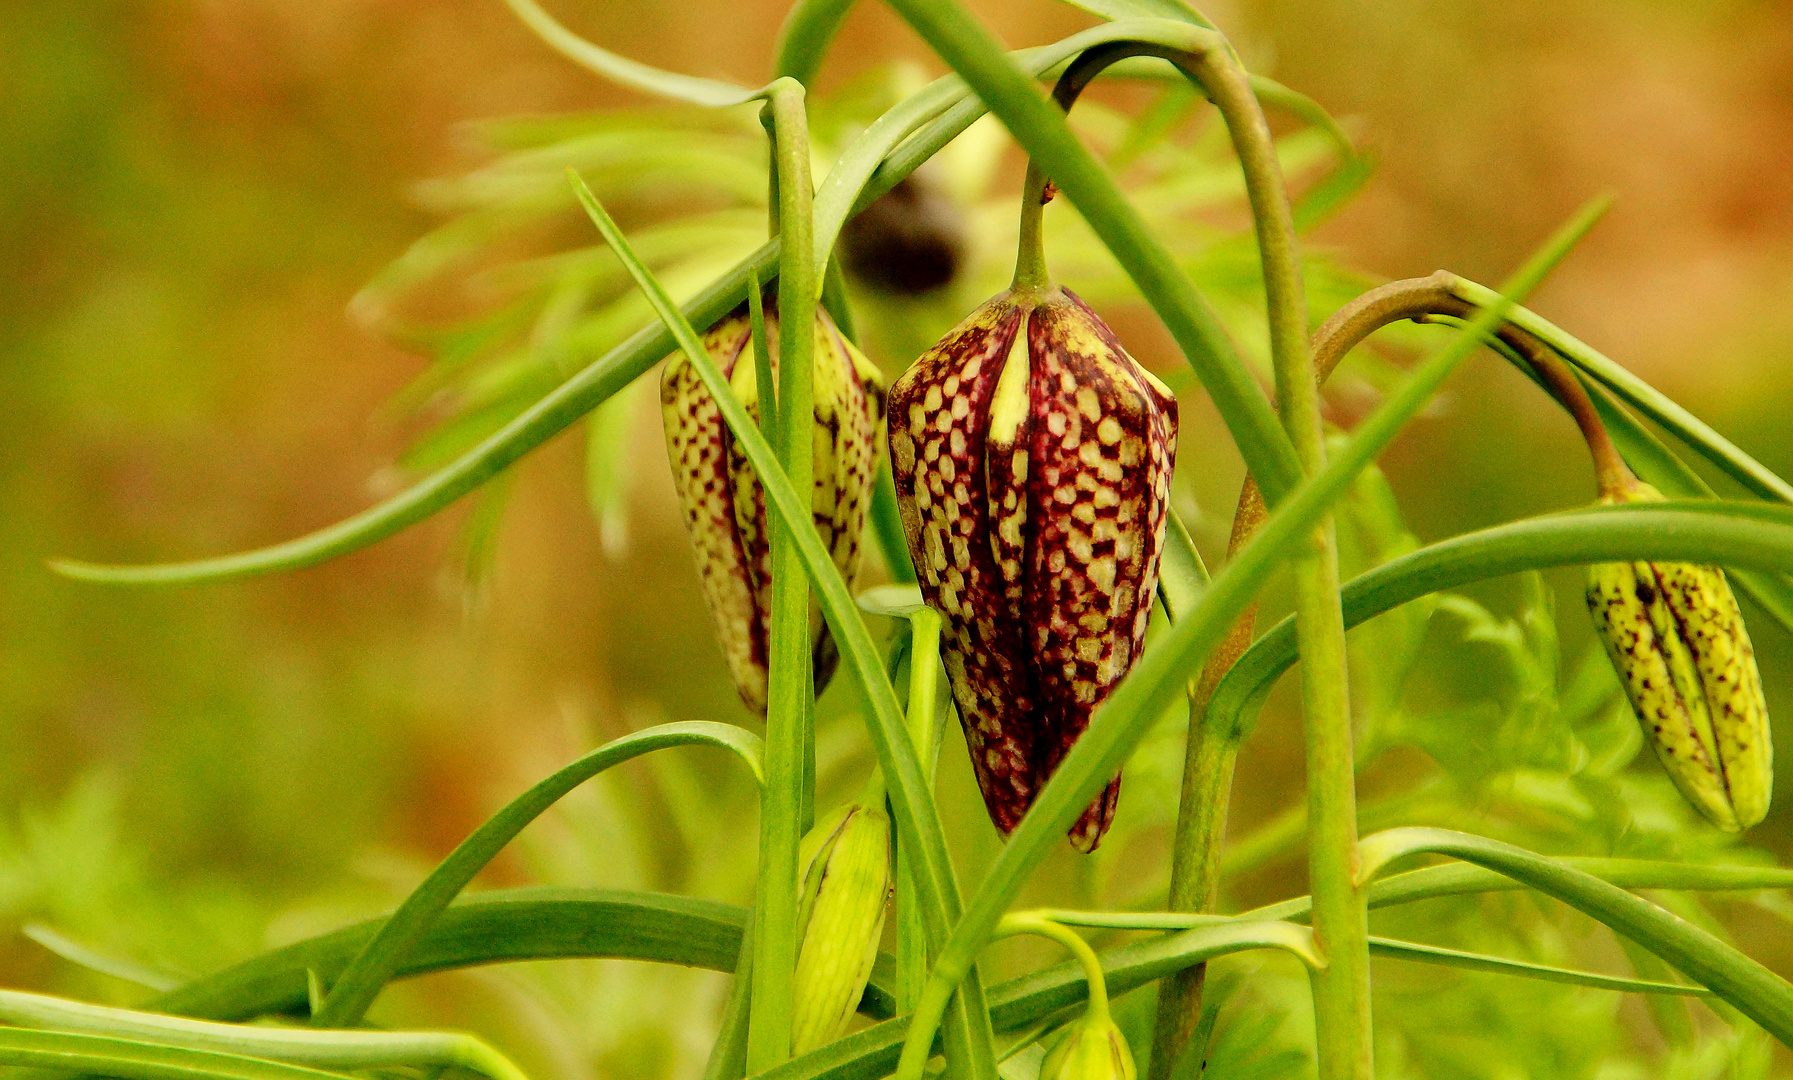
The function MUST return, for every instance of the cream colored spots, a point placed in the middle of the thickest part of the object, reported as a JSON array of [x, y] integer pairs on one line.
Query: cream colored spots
[[1041, 480], [724, 506]]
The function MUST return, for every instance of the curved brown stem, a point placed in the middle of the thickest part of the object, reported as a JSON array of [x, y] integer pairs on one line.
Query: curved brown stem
[[1208, 766]]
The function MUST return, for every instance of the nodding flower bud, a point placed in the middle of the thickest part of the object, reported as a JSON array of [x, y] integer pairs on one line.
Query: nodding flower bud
[[724, 505], [1677, 640], [840, 916], [1091, 1048], [1032, 459]]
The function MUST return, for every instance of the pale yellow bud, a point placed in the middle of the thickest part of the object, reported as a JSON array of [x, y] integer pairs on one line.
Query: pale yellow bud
[[846, 883], [1090, 1049]]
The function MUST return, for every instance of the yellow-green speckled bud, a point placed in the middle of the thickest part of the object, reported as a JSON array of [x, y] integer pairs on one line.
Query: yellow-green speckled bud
[[1675, 636], [1032, 459], [724, 505], [1092, 1048], [846, 883]]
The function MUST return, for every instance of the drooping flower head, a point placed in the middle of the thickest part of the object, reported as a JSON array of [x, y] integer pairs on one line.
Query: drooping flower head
[[725, 506], [1032, 459], [1677, 641]]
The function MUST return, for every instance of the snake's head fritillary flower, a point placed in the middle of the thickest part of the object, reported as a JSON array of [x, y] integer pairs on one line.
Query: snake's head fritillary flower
[[1677, 640], [724, 505], [1032, 459]]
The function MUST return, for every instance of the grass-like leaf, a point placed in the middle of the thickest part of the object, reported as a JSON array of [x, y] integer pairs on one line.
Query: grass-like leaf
[[911, 798], [1162, 672], [130, 1059], [1687, 427], [1752, 535], [501, 926], [297, 1046], [383, 956], [1755, 991], [625, 72]]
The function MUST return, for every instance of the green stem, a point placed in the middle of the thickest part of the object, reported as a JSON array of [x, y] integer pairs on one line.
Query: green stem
[[1195, 866], [789, 692], [804, 38], [924, 680], [1028, 922], [1341, 926], [1040, 128], [1030, 259]]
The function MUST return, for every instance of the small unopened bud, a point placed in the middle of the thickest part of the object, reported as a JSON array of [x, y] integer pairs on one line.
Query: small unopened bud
[[840, 916], [1677, 640], [724, 505], [909, 241], [1092, 1048]]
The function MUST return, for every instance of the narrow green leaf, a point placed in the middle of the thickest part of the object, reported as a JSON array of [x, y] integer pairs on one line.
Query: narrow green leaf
[[129, 1059], [625, 72], [77, 953], [1389, 947], [496, 927], [1468, 961], [384, 955], [297, 1046], [911, 800], [1717, 449], [1161, 673], [1755, 991], [1751, 535]]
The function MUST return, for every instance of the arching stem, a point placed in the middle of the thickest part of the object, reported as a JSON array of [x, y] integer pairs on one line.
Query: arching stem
[[1028, 922]]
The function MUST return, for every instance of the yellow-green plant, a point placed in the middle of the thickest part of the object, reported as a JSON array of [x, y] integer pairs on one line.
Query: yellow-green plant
[[799, 956]]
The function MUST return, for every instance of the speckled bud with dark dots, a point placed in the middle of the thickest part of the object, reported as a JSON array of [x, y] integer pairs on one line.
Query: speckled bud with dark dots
[[1677, 641], [1032, 459], [724, 506]]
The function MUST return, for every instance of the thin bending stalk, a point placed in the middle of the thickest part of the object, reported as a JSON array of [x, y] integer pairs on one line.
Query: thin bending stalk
[[1341, 923], [1212, 749], [1030, 922], [789, 691], [924, 681], [1208, 761]]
